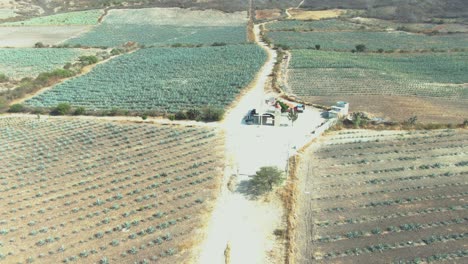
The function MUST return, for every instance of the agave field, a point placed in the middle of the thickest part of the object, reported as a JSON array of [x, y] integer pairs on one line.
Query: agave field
[[320, 73], [163, 27], [161, 79], [29, 62], [97, 192], [89, 17], [319, 25], [384, 196], [387, 41]]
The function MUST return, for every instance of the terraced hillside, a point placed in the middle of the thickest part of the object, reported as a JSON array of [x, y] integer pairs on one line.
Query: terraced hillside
[[384, 197], [104, 192]]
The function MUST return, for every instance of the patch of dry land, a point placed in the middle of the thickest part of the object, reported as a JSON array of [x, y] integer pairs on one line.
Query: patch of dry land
[[104, 192], [384, 197], [300, 14], [24, 37], [268, 14]]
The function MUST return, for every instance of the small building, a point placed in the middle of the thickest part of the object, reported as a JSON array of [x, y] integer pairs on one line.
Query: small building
[[266, 119], [339, 110]]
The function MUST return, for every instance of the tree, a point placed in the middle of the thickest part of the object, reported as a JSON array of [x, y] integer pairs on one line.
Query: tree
[[292, 116], [3, 78], [210, 114], [361, 48], [265, 179], [39, 45], [88, 60], [17, 108], [61, 109], [193, 114], [80, 111], [317, 47]]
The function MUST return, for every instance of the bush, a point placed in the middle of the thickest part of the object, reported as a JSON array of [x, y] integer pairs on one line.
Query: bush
[[361, 48], [61, 109], [87, 60], [181, 115], [79, 111], [193, 114], [217, 44], [17, 108], [264, 180], [211, 114], [3, 78]]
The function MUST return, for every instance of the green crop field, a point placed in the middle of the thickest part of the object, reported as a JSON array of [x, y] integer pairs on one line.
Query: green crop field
[[29, 62], [89, 17], [346, 41], [104, 192], [384, 197], [319, 25], [109, 35], [161, 79], [320, 73], [163, 27]]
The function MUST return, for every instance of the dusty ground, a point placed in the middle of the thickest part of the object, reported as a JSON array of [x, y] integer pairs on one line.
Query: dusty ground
[[301, 14], [401, 108], [267, 14], [353, 195], [24, 37], [107, 176], [245, 224]]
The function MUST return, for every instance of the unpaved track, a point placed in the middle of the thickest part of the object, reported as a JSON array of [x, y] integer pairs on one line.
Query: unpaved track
[[245, 224]]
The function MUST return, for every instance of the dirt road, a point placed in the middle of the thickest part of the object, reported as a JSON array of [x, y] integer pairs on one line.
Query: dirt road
[[247, 225]]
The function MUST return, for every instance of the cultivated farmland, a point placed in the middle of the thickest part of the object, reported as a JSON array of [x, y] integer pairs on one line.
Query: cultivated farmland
[[388, 41], [89, 17], [26, 37], [162, 27], [383, 83], [384, 197], [29, 62], [92, 191], [161, 79], [319, 25], [320, 73]]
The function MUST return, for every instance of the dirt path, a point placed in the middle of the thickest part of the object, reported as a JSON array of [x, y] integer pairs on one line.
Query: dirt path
[[248, 225]]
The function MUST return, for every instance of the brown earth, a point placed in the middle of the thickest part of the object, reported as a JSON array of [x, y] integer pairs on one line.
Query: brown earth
[[349, 183], [89, 189], [399, 108]]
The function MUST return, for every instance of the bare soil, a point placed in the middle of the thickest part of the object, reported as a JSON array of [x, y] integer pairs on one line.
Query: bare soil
[[26, 37], [354, 182], [400, 108], [89, 189]]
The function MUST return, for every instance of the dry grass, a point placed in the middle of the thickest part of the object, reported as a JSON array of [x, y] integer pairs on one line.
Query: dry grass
[[289, 197], [268, 14], [300, 14]]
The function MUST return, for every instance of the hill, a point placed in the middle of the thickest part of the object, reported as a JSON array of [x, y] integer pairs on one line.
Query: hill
[[402, 10]]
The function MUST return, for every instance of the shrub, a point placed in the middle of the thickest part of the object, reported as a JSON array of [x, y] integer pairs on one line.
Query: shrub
[[3, 78], [88, 60], [211, 114], [61, 109], [360, 48], [264, 180], [194, 114], [181, 115], [79, 111], [17, 108]]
